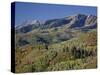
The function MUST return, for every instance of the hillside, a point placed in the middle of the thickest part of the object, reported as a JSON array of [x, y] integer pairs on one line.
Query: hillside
[[57, 44]]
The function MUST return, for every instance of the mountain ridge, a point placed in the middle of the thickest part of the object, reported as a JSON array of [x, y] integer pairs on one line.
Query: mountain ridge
[[72, 21]]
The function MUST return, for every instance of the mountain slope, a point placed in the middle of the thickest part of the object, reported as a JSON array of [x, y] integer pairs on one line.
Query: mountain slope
[[73, 21], [58, 44]]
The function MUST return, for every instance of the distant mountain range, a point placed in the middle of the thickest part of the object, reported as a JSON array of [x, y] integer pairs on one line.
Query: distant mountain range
[[76, 21]]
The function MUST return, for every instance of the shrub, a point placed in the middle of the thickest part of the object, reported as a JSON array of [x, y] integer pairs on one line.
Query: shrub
[[67, 65]]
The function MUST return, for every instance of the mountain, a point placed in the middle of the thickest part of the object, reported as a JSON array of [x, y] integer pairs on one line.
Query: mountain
[[91, 22], [27, 26], [73, 21], [79, 21], [56, 44]]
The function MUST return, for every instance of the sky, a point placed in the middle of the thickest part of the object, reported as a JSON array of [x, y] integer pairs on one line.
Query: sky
[[38, 11]]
